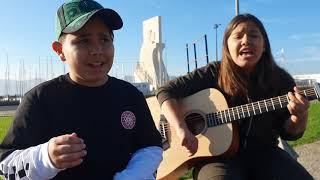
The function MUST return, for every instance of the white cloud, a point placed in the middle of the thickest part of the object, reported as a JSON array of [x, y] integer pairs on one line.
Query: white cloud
[[309, 36], [309, 53]]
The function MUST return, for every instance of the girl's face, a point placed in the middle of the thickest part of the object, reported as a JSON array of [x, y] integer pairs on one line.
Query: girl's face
[[246, 45]]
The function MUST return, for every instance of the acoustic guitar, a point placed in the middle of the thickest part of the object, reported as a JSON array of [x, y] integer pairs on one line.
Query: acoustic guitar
[[208, 117]]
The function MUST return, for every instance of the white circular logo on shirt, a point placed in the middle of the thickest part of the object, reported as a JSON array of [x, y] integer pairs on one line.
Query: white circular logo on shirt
[[128, 119]]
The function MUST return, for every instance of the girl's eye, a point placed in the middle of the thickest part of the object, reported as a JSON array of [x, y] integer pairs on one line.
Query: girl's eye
[[107, 39], [83, 41], [237, 36], [253, 35]]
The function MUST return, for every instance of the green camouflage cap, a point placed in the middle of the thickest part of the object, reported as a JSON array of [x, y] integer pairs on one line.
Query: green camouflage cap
[[74, 14]]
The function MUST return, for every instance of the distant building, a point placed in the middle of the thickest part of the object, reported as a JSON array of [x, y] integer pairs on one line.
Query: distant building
[[306, 80], [315, 77], [305, 83], [129, 78], [144, 87]]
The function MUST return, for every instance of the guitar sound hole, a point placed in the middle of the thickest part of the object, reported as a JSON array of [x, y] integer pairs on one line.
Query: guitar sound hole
[[195, 123]]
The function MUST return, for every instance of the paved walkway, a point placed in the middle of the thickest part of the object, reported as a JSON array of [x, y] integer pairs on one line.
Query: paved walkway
[[7, 110], [309, 157]]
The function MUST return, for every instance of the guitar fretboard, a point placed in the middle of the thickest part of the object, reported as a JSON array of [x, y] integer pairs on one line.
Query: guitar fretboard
[[254, 108]]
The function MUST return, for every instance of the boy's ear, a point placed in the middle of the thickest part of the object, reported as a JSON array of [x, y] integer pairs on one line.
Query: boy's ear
[[57, 47]]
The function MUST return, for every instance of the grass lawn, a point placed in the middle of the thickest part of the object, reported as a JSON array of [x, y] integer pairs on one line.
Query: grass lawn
[[5, 123], [312, 133]]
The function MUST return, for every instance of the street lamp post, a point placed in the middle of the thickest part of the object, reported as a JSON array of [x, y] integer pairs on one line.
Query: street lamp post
[[216, 27], [237, 7]]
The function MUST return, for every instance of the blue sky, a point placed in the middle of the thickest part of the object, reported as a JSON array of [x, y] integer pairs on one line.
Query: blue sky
[[27, 30]]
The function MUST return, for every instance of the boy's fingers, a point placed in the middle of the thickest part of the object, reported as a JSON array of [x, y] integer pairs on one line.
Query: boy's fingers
[[70, 148], [72, 156], [67, 139]]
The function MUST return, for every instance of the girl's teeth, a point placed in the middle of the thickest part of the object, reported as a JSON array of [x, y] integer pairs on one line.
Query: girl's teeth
[[96, 64]]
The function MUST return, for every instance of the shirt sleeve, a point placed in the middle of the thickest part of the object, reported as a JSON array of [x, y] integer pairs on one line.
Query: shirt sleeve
[[143, 165], [21, 147], [146, 133], [29, 126], [31, 163], [191, 83]]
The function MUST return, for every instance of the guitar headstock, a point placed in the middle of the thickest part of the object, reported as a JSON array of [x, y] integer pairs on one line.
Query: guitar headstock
[[317, 90]]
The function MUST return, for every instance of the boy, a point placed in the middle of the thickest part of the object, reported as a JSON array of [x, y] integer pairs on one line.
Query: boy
[[85, 124]]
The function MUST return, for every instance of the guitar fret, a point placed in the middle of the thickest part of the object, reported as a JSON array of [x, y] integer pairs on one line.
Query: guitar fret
[[280, 101], [234, 117], [305, 94], [248, 110], [273, 104], [259, 107], [214, 120], [209, 120], [265, 103], [254, 112], [221, 117], [218, 118], [243, 112], [229, 115], [238, 113]]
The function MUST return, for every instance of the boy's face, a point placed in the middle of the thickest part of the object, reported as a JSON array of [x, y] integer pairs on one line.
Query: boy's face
[[89, 53]]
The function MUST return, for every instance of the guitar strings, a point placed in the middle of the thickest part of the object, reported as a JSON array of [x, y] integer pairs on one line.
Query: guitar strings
[[241, 111]]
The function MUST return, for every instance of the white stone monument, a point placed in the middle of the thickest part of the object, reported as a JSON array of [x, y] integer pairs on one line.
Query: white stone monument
[[150, 67]]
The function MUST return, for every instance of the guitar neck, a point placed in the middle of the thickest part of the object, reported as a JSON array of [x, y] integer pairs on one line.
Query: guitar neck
[[255, 108]]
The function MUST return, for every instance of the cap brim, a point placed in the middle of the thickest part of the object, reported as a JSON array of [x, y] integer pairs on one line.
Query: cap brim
[[110, 17]]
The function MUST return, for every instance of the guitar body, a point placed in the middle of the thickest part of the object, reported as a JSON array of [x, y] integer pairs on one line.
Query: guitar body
[[213, 141]]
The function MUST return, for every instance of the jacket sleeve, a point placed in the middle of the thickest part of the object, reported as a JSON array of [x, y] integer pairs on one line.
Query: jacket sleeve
[[189, 84], [284, 115]]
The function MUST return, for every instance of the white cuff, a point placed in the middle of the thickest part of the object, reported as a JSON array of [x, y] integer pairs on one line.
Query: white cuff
[[44, 164], [142, 165]]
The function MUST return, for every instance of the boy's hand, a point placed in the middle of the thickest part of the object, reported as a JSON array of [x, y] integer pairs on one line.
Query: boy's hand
[[66, 151]]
